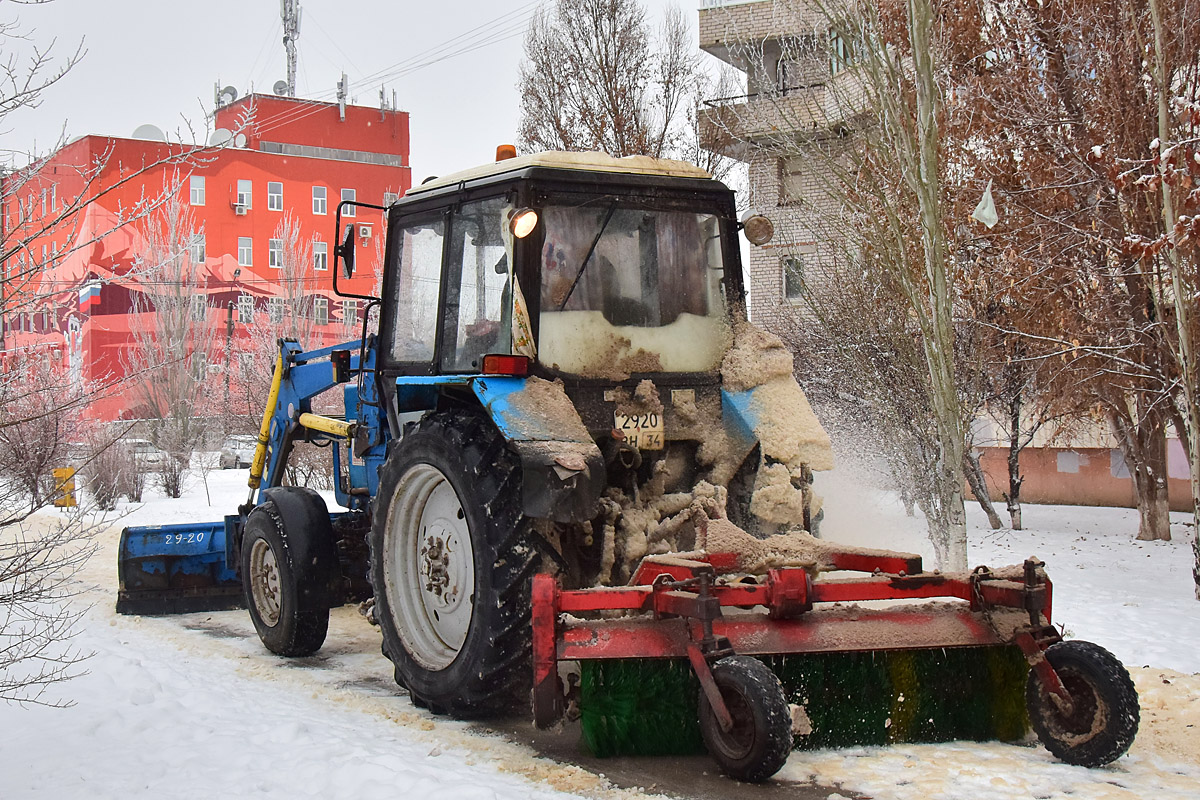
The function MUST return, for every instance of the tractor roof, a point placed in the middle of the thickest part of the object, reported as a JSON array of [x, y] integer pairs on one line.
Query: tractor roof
[[585, 162]]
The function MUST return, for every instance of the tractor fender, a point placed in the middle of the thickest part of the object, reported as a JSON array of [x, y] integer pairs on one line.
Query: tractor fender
[[778, 417], [562, 470], [306, 527]]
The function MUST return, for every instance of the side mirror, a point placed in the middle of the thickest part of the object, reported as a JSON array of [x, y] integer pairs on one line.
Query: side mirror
[[345, 251], [758, 229]]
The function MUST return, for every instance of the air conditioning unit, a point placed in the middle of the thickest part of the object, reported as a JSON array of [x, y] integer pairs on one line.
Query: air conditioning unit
[[364, 232], [239, 209]]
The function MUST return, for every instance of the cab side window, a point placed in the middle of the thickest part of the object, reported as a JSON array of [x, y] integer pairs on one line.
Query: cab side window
[[416, 288], [479, 298]]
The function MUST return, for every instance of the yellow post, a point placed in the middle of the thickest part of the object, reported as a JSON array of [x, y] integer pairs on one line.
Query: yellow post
[[64, 487]]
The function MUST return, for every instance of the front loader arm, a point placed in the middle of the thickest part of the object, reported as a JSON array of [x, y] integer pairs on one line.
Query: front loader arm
[[299, 377]]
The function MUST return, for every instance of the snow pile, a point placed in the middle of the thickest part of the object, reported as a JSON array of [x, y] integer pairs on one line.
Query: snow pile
[[789, 431]]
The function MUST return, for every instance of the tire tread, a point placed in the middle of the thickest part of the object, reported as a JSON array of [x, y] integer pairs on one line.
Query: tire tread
[[501, 674]]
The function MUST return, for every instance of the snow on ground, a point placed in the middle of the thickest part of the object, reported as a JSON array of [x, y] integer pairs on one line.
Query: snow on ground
[[192, 706]]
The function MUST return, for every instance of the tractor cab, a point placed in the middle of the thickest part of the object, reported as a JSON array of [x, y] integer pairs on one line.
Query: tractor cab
[[579, 265]]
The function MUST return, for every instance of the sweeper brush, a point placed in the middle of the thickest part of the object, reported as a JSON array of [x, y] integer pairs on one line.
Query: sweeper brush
[[692, 656]]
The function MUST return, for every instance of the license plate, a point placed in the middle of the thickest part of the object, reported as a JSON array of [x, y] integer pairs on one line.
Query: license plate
[[643, 431]]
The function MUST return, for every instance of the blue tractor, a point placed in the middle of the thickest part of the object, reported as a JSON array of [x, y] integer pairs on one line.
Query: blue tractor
[[562, 368], [565, 444]]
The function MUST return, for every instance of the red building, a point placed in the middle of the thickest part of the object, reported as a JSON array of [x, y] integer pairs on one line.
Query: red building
[[74, 270]]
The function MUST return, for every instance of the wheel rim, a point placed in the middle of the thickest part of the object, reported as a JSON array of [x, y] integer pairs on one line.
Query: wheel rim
[[1088, 716], [739, 741], [429, 567], [264, 583]]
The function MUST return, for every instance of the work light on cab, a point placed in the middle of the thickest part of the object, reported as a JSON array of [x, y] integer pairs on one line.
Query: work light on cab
[[523, 222]]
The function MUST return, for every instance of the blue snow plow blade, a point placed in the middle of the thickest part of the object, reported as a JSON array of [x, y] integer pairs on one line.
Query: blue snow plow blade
[[177, 569]]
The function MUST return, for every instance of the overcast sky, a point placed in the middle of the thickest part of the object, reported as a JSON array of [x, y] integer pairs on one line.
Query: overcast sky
[[156, 61]]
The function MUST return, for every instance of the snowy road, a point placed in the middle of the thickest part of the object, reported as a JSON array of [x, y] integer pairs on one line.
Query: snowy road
[[192, 706]]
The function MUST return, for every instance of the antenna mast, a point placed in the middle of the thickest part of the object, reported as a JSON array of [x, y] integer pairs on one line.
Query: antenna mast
[[290, 13]]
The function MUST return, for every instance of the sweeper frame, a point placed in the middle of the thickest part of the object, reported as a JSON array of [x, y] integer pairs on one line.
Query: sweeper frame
[[699, 609]]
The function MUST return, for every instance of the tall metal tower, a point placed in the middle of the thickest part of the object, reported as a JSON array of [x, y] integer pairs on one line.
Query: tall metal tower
[[290, 13]]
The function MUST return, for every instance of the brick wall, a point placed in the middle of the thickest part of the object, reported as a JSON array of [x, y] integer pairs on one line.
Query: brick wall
[[1081, 476], [805, 227]]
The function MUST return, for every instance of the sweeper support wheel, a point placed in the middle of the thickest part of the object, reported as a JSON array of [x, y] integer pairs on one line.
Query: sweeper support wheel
[[758, 742], [1102, 719]]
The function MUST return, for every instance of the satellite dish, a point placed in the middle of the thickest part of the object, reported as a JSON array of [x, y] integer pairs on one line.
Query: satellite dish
[[280, 88], [220, 136], [150, 132], [239, 140], [228, 95]]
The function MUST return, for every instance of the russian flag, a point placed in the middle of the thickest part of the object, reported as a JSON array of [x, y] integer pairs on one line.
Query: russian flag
[[89, 297]]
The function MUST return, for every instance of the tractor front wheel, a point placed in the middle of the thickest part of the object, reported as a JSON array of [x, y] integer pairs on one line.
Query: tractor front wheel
[[451, 565], [761, 738], [283, 565], [1103, 719]]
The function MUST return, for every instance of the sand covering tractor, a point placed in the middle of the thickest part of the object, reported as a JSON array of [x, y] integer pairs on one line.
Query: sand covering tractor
[[568, 463]]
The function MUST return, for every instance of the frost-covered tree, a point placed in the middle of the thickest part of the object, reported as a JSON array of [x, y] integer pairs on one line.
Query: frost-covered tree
[[41, 398], [39, 414]]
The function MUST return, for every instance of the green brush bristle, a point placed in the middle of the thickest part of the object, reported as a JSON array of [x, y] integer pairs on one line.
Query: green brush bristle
[[642, 707], [649, 707], [974, 693]]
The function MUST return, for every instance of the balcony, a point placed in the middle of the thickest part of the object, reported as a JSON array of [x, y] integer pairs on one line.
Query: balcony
[[733, 22], [729, 124]]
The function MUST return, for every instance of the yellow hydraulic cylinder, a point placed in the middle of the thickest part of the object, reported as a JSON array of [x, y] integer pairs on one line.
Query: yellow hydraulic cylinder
[[334, 427], [264, 430]]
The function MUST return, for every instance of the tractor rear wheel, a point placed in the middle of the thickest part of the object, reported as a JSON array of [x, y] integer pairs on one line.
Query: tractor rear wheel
[[451, 565], [761, 738], [1104, 719]]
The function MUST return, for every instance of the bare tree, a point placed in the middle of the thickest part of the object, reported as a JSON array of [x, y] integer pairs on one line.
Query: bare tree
[[291, 314], [870, 138], [596, 76], [1078, 114], [41, 400], [39, 557], [1176, 79], [35, 431], [173, 338], [110, 469], [288, 315], [1083, 115]]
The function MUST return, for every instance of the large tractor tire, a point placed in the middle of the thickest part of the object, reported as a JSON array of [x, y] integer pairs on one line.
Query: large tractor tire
[[288, 561], [451, 565], [1104, 720]]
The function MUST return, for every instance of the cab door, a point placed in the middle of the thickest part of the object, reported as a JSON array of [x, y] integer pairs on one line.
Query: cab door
[[413, 293]]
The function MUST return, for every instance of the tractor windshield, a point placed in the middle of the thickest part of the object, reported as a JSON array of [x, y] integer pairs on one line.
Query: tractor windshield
[[630, 289]]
